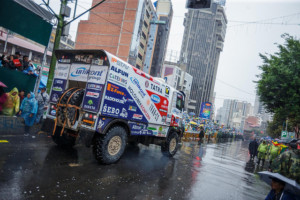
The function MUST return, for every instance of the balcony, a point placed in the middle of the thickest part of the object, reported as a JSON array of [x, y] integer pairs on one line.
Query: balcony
[[220, 46]]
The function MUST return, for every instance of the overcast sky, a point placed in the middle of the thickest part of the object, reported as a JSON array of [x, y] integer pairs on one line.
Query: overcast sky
[[240, 59]]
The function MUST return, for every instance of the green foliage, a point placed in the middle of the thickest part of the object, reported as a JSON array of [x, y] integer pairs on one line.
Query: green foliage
[[279, 83]]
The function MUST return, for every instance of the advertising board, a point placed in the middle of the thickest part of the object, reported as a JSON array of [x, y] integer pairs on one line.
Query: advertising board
[[205, 111]]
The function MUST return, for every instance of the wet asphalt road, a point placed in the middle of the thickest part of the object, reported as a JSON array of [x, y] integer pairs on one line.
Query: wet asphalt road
[[35, 168]]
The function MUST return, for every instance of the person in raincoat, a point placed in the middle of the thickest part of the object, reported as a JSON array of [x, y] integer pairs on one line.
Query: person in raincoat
[[262, 151], [288, 163], [28, 110], [43, 101], [253, 145], [12, 103], [274, 152]]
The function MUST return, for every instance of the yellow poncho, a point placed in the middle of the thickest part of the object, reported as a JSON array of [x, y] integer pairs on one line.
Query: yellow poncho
[[12, 104]]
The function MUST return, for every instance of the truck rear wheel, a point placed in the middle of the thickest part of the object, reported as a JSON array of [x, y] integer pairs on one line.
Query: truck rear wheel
[[169, 148], [109, 148], [66, 140]]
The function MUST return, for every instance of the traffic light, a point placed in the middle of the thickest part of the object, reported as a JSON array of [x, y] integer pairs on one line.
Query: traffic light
[[198, 4]]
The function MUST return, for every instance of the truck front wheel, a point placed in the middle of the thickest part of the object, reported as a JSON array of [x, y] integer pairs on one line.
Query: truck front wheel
[[169, 148], [109, 148]]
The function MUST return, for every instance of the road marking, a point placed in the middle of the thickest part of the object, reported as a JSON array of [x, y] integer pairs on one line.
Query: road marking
[[3, 141]]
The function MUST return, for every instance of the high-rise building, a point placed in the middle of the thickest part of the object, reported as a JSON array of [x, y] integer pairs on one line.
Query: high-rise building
[[164, 13], [120, 27], [234, 113], [202, 43]]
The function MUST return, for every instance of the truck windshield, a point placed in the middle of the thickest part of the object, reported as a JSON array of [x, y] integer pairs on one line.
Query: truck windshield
[[179, 102], [80, 57]]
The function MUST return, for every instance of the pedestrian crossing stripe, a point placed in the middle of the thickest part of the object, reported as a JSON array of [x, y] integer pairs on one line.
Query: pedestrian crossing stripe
[[3, 141]]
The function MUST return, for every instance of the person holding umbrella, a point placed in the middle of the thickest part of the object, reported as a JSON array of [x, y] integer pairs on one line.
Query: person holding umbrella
[[277, 191]]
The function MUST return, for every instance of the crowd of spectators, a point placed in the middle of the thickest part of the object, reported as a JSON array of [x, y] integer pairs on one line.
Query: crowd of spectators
[[18, 62], [29, 107]]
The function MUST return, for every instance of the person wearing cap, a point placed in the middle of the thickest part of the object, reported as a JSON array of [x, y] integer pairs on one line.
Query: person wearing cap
[[262, 151], [277, 191], [288, 163], [43, 101]]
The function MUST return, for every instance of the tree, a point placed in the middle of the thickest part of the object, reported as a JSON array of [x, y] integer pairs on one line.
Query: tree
[[279, 83]]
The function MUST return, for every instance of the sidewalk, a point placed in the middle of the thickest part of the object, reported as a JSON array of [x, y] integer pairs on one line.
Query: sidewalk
[[15, 125]]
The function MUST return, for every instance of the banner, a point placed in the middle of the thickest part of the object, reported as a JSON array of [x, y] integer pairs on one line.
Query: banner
[[205, 111]]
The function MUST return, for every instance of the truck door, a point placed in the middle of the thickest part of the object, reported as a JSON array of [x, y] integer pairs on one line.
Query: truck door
[[177, 108]]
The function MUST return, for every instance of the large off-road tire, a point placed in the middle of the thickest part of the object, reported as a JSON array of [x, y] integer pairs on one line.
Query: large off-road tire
[[66, 140], [109, 148], [170, 147]]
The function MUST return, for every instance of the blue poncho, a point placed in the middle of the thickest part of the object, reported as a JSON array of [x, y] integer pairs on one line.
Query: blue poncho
[[29, 106]]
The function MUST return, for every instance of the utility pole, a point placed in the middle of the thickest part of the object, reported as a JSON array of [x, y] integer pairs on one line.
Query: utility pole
[[60, 24]]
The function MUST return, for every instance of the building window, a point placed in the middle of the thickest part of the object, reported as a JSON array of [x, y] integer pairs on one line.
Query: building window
[[142, 46], [140, 56], [144, 35], [147, 13], [145, 24]]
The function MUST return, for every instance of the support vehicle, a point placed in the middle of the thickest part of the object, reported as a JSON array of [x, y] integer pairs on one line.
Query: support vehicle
[[98, 98]]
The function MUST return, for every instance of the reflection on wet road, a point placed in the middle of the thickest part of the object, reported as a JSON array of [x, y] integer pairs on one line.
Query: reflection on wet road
[[35, 168]]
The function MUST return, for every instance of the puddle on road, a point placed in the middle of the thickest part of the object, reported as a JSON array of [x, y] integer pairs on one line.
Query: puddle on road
[[221, 171]]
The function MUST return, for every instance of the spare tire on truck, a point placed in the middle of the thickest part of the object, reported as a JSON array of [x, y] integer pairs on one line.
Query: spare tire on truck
[[67, 114], [110, 147]]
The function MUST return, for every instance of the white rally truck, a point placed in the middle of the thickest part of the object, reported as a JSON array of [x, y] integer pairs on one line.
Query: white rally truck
[[100, 99]]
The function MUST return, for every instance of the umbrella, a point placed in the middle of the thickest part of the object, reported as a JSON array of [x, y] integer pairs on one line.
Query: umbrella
[[2, 84], [290, 185], [191, 113], [194, 123]]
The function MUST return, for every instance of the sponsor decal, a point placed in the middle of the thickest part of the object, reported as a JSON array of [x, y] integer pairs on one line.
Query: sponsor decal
[[57, 89], [80, 71], [138, 101], [136, 82], [117, 78], [110, 110], [167, 90], [53, 112], [124, 113], [62, 71], [147, 84], [154, 112], [152, 128], [94, 86], [119, 71], [90, 102], [156, 88], [100, 124], [119, 63], [137, 116], [137, 127], [109, 98], [155, 98], [162, 110], [115, 89], [92, 94], [132, 108]]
